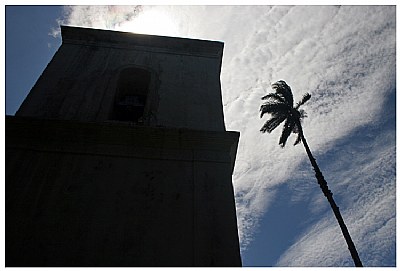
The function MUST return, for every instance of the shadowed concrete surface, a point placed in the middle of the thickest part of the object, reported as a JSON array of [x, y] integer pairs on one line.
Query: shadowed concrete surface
[[85, 188], [81, 81], [113, 195]]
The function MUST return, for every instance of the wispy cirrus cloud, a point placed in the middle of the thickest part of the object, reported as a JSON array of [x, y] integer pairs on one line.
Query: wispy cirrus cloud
[[103, 17], [369, 213], [345, 57]]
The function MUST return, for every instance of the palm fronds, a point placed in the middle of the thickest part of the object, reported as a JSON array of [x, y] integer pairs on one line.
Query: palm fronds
[[280, 105], [272, 123], [273, 108], [303, 100], [283, 90], [287, 130]]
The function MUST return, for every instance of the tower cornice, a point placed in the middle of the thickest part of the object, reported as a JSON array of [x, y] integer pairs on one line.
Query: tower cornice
[[143, 42]]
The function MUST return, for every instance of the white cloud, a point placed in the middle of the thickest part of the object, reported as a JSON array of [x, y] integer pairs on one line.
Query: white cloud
[[105, 17], [369, 213], [344, 56]]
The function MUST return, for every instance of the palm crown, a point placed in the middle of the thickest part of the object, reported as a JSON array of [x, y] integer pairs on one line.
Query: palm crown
[[280, 106]]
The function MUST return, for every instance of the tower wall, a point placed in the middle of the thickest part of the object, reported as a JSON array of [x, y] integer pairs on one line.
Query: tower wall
[[85, 188], [83, 194], [81, 80]]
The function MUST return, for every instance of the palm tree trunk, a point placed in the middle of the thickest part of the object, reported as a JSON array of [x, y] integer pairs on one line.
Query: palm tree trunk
[[328, 194]]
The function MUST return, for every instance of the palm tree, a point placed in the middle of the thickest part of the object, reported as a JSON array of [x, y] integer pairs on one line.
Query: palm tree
[[280, 106]]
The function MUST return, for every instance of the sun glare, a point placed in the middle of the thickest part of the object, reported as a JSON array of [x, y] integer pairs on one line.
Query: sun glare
[[151, 22]]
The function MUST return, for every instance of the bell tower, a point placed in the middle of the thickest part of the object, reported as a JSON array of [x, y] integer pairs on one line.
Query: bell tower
[[119, 156]]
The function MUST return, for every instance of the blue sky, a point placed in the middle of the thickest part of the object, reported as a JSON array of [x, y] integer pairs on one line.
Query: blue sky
[[344, 56], [29, 48]]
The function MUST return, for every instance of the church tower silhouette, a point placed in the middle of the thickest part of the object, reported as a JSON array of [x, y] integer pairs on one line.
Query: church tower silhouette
[[119, 156]]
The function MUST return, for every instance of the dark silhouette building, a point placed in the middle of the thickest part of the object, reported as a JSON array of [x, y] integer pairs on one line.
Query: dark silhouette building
[[119, 157]]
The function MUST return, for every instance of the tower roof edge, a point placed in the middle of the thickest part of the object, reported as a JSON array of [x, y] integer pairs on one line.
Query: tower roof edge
[[92, 36]]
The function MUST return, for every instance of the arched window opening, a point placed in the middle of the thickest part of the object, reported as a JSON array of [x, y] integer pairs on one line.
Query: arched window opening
[[131, 96]]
